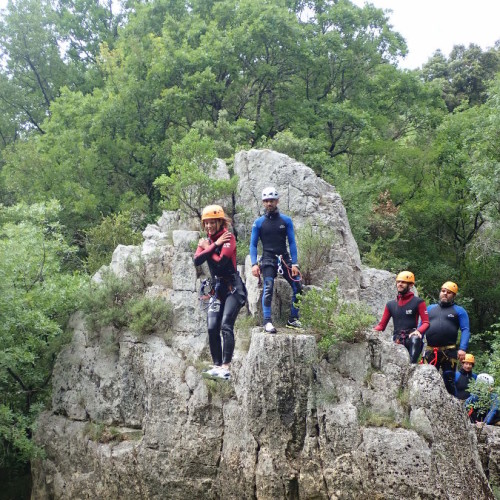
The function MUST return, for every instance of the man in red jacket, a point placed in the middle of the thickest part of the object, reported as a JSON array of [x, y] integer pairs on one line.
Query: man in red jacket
[[405, 312]]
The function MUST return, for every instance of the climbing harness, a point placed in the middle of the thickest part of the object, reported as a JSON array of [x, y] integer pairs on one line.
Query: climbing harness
[[206, 293], [281, 263], [436, 350], [209, 292]]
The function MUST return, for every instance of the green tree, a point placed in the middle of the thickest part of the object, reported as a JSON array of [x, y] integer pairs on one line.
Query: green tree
[[33, 61], [37, 297], [193, 183]]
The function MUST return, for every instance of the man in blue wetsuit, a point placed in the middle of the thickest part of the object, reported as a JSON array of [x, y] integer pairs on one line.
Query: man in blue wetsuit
[[274, 229], [445, 319]]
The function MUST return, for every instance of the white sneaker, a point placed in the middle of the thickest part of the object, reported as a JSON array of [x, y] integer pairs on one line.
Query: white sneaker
[[269, 328], [224, 374], [213, 372]]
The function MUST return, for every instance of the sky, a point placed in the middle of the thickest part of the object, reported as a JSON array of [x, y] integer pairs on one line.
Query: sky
[[428, 25]]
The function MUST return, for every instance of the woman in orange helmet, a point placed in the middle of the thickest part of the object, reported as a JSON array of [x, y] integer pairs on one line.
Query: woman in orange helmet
[[218, 249]]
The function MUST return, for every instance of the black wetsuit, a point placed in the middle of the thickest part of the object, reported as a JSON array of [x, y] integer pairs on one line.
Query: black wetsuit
[[230, 297], [462, 379], [445, 320]]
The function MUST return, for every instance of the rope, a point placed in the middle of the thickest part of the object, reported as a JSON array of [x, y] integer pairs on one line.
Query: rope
[[282, 263], [434, 361]]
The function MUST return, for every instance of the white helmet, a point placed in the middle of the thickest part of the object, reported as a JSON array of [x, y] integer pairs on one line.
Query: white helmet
[[270, 193], [485, 377]]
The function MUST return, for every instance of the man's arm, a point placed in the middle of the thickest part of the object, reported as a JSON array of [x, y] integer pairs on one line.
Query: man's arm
[[290, 233], [493, 409], [254, 240], [424, 318], [463, 321], [383, 322]]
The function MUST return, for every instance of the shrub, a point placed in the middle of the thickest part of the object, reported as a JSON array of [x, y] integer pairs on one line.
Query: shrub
[[483, 393], [102, 240], [313, 243], [325, 314], [149, 315], [120, 302]]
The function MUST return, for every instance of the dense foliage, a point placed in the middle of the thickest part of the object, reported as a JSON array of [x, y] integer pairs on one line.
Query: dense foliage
[[115, 110], [37, 294]]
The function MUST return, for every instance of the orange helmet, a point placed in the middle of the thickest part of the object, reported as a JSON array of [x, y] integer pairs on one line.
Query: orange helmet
[[406, 276], [452, 287], [212, 212], [469, 358]]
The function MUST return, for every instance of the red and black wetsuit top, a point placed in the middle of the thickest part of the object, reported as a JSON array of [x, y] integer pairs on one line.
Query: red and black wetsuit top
[[405, 312], [221, 259]]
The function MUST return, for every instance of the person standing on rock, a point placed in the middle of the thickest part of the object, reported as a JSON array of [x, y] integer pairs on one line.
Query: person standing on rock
[[274, 229], [446, 319], [464, 376], [218, 249], [405, 312]]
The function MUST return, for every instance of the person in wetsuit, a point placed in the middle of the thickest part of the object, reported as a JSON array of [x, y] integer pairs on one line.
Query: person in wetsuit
[[218, 249], [405, 312], [483, 412], [464, 376], [446, 319], [274, 229]]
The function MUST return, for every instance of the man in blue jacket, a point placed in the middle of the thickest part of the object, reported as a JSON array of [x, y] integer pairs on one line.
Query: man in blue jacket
[[274, 229], [446, 319]]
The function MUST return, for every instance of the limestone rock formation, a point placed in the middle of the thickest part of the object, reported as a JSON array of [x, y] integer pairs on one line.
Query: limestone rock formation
[[132, 417]]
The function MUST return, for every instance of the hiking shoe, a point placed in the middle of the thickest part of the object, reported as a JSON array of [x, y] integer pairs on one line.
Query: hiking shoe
[[269, 328], [294, 324], [224, 374], [213, 372]]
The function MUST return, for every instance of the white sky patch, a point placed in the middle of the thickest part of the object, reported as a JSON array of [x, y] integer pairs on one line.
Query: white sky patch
[[429, 25]]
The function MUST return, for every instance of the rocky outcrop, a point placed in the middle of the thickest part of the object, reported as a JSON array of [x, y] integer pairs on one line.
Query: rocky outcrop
[[290, 425], [132, 417], [307, 199]]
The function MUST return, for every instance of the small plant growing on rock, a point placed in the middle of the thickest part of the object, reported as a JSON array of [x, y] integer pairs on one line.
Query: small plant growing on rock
[[332, 319], [314, 243], [120, 302]]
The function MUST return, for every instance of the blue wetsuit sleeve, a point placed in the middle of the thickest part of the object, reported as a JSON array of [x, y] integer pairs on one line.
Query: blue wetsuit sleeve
[[457, 376], [463, 321], [290, 233], [493, 409], [254, 240]]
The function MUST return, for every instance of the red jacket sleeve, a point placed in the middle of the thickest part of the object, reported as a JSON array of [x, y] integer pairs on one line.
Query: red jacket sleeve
[[385, 319], [227, 251], [424, 318]]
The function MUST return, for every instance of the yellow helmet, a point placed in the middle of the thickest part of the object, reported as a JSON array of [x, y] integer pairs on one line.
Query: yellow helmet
[[406, 276], [212, 212], [469, 358], [452, 287]]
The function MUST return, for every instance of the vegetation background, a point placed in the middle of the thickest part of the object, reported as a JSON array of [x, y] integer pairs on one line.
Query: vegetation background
[[111, 111]]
